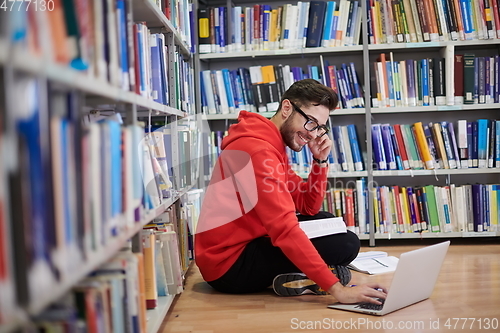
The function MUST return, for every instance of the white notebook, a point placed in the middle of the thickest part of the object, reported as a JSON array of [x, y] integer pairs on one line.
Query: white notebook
[[374, 262], [323, 227]]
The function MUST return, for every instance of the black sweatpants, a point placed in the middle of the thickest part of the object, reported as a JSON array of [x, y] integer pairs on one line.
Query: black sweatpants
[[260, 261]]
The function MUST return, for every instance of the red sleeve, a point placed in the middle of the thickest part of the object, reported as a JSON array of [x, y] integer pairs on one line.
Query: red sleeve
[[308, 195], [276, 210]]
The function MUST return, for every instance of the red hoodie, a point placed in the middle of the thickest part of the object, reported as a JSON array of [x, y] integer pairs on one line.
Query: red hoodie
[[254, 193]]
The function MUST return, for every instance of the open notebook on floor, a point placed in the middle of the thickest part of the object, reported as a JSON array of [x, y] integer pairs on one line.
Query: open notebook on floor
[[374, 262], [415, 268]]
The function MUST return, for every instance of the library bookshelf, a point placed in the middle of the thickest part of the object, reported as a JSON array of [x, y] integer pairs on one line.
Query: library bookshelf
[[365, 53], [65, 92]]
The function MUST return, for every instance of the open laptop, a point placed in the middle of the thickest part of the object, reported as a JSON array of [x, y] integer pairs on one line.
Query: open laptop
[[413, 281]]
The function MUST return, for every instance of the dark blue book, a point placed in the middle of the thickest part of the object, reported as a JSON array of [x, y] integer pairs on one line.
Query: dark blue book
[[469, 145], [486, 207], [157, 82], [496, 74], [388, 147], [477, 207], [338, 142], [223, 28], [481, 79], [397, 151], [123, 44], [350, 85], [217, 33], [247, 87], [317, 10], [476, 80], [413, 213], [378, 148], [475, 147], [469, 78], [203, 94], [33, 170], [356, 151], [237, 90]]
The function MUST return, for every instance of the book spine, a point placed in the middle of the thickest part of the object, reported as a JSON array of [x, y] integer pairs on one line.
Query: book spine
[[452, 160], [468, 76], [454, 144], [477, 207]]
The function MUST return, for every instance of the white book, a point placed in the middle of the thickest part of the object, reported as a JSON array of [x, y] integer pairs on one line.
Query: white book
[[404, 87], [357, 31], [248, 29], [342, 21], [291, 20], [374, 262], [306, 6], [459, 207], [348, 151], [207, 85], [149, 177], [114, 62], [225, 109], [323, 227], [298, 33], [237, 47], [360, 188]]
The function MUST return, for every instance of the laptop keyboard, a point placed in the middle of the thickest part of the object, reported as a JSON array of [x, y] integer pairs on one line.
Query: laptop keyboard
[[371, 306]]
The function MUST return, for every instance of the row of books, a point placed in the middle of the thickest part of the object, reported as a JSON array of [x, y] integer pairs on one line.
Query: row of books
[[405, 209], [75, 188], [344, 80], [259, 88], [180, 14], [345, 154], [406, 21], [111, 299], [290, 26], [349, 203], [452, 208], [441, 145], [475, 144], [183, 170], [424, 82], [101, 39], [116, 296]]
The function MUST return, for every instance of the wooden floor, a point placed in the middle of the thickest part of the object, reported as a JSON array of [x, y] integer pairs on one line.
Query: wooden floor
[[468, 287]]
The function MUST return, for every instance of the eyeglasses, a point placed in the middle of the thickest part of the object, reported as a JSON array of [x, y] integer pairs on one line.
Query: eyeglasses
[[311, 125]]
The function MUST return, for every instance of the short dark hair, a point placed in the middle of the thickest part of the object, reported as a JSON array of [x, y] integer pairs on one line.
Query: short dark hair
[[310, 91]]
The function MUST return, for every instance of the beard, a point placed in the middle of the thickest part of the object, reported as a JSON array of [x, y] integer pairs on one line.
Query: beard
[[288, 134]]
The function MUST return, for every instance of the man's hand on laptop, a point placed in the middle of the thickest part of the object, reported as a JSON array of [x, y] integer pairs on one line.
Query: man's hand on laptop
[[356, 294]]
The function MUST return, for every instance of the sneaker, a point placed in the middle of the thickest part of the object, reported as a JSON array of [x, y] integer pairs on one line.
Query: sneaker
[[295, 284], [342, 272]]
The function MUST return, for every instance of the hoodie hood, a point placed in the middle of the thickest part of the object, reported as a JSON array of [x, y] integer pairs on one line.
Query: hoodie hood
[[255, 126]]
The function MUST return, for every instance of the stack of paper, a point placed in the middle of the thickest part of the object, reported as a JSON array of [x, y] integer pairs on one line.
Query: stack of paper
[[374, 262]]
